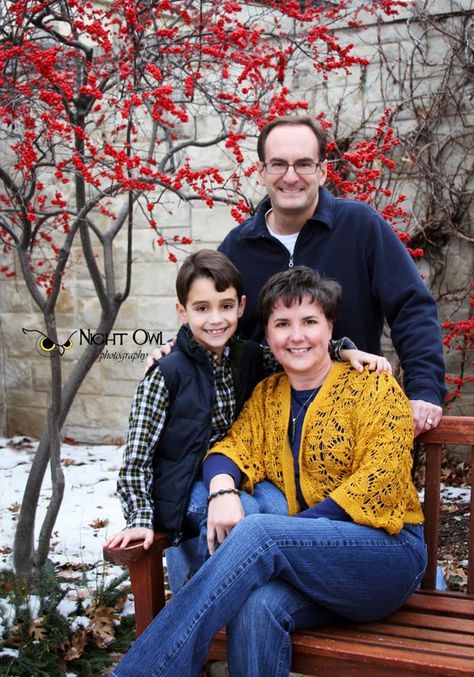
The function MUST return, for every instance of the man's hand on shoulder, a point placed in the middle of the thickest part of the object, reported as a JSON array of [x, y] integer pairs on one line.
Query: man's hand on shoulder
[[359, 359], [426, 415]]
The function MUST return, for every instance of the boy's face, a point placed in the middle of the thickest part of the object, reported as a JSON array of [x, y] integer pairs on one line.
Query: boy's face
[[212, 315]]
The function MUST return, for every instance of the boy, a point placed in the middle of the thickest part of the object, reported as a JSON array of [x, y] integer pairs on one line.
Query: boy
[[185, 404]]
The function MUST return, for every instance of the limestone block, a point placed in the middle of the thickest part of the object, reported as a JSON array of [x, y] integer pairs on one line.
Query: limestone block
[[154, 279], [65, 302], [102, 435], [26, 420], [41, 373], [113, 411], [210, 226], [160, 313], [127, 318], [23, 398], [15, 297], [16, 343], [127, 371], [18, 374], [89, 312], [122, 388]]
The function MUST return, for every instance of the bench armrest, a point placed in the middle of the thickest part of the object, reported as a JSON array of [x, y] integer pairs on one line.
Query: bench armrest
[[146, 576]]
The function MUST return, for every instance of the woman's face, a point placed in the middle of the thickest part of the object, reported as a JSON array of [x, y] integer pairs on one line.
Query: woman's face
[[299, 336]]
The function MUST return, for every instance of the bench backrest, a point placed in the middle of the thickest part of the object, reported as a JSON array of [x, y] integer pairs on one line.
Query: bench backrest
[[453, 430]]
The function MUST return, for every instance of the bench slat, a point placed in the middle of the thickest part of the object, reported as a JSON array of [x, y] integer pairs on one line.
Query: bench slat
[[328, 653], [431, 621], [399, 633], [420, 641]]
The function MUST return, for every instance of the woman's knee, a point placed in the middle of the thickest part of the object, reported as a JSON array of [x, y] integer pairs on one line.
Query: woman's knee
[[264, 608]]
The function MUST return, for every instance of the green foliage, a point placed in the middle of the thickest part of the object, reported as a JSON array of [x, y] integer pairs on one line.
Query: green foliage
[[42, 642]]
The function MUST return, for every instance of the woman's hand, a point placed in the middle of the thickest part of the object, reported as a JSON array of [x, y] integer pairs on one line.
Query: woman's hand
[[224, 511], [359, 358], [123, 538]]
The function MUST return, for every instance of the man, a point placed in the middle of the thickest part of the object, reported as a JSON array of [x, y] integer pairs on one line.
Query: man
[[302, 223]]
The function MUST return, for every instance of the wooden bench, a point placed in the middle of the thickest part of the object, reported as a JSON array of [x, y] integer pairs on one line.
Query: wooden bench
[[432, 634]]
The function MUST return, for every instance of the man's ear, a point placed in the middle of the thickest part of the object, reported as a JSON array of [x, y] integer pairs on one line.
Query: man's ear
[[182, 314], [242, 303], [323, 173]]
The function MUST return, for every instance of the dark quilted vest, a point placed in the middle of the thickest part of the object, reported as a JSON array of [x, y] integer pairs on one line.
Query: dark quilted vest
[[185, 438]]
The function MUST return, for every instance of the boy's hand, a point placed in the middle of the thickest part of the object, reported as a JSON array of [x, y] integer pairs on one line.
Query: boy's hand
[[358, 359], [160, 352], [123, 538]]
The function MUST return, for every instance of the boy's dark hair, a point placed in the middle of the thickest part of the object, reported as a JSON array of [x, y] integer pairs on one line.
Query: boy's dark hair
[[293, 285], [211, 264], [315, 127]]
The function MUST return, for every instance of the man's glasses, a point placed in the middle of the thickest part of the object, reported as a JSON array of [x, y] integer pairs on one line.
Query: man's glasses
[[300, 166]]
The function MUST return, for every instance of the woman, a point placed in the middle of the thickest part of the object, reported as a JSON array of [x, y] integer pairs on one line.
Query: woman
[[338, 445]]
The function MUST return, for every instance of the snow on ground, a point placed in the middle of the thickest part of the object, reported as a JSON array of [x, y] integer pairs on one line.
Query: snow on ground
[[90, 510]]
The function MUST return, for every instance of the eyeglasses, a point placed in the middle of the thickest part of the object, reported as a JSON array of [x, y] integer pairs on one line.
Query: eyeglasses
[[300, 166]]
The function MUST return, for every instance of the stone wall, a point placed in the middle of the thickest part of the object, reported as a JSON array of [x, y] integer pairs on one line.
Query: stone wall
[[100, 411]]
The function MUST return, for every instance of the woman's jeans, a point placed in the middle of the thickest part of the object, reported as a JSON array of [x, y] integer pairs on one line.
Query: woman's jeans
[[185, 559], [271, 575]]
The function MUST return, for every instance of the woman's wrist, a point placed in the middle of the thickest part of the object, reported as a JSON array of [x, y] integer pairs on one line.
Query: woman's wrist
[[221, 481], [222, 492]]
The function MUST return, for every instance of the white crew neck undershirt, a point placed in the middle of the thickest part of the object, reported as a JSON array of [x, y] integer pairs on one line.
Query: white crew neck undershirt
[[287, 241]]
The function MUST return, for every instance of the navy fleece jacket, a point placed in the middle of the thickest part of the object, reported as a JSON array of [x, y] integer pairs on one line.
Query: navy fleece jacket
[[350, 242]]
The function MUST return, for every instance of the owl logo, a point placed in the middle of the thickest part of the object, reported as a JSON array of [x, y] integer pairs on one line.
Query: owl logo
[[45, 345]]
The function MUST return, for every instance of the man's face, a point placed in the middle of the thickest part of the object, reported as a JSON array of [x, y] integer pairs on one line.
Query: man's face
[[290, 193]]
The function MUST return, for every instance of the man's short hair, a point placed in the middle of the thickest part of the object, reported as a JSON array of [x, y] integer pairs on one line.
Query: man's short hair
[[315, 127], [211, 264], [295, 284]]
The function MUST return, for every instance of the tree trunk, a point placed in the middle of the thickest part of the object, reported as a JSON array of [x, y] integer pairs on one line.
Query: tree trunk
[[26, 562]]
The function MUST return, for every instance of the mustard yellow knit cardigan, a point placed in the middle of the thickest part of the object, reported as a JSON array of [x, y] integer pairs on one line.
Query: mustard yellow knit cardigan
[[356, 446]]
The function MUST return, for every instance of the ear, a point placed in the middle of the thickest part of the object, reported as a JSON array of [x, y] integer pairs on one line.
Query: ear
[[331, 327], [323, 173], [260, 171], [182, 314], [242, 303]]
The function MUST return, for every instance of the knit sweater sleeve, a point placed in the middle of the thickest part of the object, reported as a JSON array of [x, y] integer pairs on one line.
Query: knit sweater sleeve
[[379, 491], [244, 443]]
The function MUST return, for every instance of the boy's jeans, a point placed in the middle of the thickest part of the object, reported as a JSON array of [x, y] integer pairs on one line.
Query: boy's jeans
[[271, 575], [185, 559]]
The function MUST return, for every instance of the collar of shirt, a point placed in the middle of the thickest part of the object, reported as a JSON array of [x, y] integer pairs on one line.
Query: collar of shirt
[[256, 226], [212, 357]]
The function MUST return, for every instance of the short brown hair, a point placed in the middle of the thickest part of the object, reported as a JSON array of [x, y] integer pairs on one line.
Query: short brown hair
[[315, 127], [211, 264], [293, 285]]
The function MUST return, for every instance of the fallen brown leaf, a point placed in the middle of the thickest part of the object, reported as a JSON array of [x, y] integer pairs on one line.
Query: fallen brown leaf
[[99, 524]]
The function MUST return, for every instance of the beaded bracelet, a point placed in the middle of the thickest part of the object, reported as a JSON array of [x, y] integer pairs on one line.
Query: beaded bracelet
[[221, 492]]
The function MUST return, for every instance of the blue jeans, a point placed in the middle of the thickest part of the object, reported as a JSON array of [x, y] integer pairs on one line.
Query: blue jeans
[[271, 575], [185, 559]]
